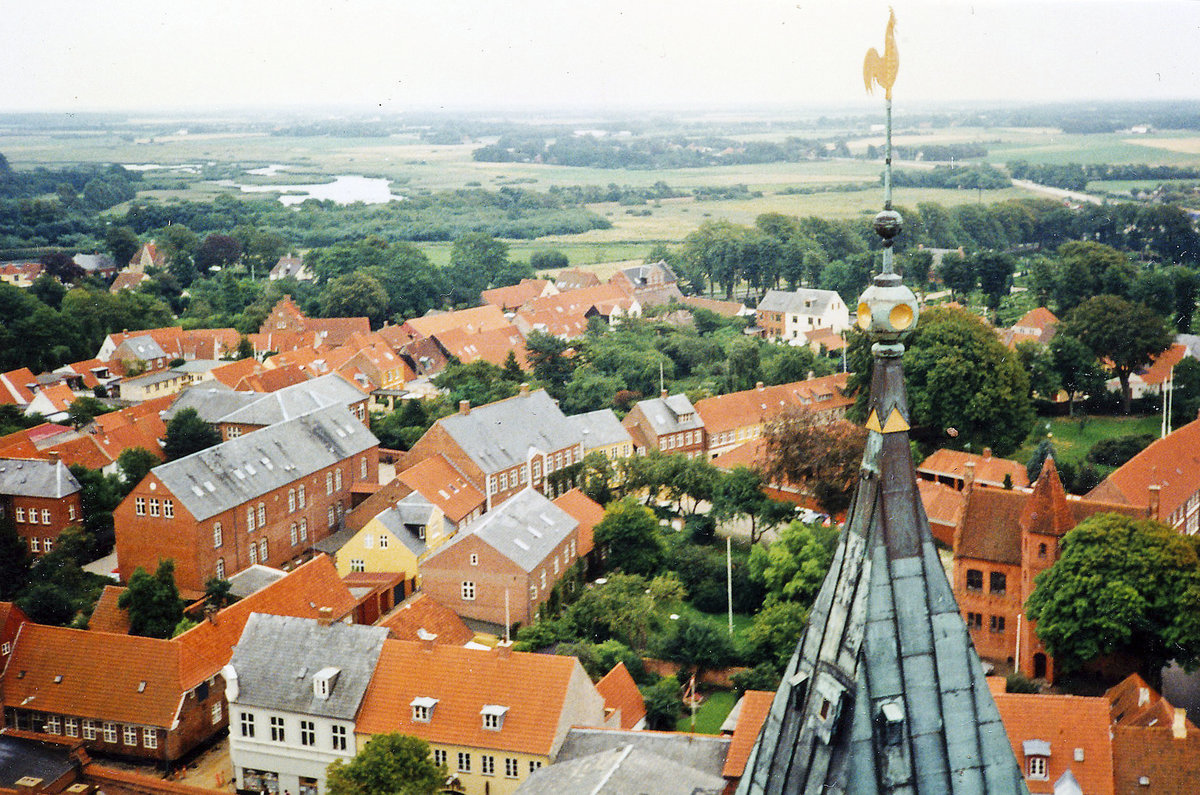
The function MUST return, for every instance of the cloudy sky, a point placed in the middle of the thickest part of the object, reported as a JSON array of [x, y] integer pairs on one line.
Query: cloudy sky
[[399, 54]]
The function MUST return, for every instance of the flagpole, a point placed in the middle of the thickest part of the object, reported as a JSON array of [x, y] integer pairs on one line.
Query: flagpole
[[729, 579]]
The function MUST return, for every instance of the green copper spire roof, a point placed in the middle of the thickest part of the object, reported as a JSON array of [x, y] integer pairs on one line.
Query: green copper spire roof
[[884, 693]]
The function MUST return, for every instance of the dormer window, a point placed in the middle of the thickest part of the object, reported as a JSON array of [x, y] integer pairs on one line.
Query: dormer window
[[324, 681], [1037, 759], [422, 708], [493, 716]]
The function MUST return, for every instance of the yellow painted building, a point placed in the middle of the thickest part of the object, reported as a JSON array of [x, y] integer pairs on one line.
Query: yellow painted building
[[395, 541]]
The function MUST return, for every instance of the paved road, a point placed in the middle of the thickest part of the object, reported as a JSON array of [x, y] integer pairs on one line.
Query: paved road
[[1057, 193]]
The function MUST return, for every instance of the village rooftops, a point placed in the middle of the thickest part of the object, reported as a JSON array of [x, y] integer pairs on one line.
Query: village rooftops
[[600, 428], [670, 413], [501, 435], [228, 474], [144, 348], [296, 400], [211, 400], [20, 477], [303, 665], [438, 481], [525, 528], [805, 301]]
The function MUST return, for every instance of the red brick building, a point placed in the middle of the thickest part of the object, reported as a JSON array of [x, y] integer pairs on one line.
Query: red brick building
[[667, 423], [11, 619], [1003, 539], [260, 498], [41, 498]]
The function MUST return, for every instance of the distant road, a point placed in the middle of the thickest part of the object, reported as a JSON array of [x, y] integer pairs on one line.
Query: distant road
[[1057, 193]]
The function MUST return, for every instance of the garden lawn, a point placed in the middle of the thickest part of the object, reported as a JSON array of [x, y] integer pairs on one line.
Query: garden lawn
[[1073, 437], [709, 715]]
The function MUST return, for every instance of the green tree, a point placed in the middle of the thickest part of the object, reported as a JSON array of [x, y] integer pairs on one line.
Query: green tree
[[395, 764], [1126, 334], [1076, 367], [217, 592], [245, 349], [697, 643], [135, 463], [1185, 398], [995, 273], [1033, 467], [629, 535], [355, 295], [47, 603], [823, 457], [546, 355], [187, 434], [623, 608], [958, 274], [739, 493], [1087, 269], [1038, 363], [774, 633], [476, 261], [14, 560], [85, 409], [743, 369], [480, 382], [152, 602], [217, 251], [122, 243], [663, 702], [793, 567], [550, 259], [1120, 585]]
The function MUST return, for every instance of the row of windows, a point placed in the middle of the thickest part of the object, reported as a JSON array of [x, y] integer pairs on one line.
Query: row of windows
[[487, 763], [369, 541], [308, 731], [685, 439], [33, 515], [168, 507], [997, 581], [41, 544], [995, 623], [111, 732], [296, 498]]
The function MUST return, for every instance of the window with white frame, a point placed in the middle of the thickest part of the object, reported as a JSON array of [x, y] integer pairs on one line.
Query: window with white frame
[[303, 529], [249, 518], [45, 516], [169, 509], [308, 732], [72, 725], [332, 517], [149, 737], [362, 467], [383, 541], [246, 721], [277, 733], [534, 764], [131, 734], [328, 483], [337, 479], [262, 514], [474, 559], [487, 764], [35, 544], [53, 724], [139, 507], [533, 593], [493, 716], [234, 431], [89, 729], [291, 500], [295, 533], [110, 732], [510, 767], [439, 756], [220, 568], [464, 762], [300, 496], [338, 738], [357, 564], [47, 544], [262, 550], [218, 538], [503, 481], [217, 713], [253, 553], [154, 506], [1038, 768], [70, 511], [368, 541], [468, 590]]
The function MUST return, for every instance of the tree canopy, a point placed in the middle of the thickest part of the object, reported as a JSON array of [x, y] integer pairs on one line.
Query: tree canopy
[[153, 602], [629, 534], [1120, 585], [187, 434], [395, 764]]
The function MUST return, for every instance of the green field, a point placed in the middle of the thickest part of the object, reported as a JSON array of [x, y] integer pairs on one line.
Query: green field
[[1073, 437], [709, 715]]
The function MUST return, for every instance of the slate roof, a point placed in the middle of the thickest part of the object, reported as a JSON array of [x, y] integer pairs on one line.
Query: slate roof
[[704, 753], [600, 429], [296, 400], [534, 687], [253, 579], [525, 528], [499, 435], [884, 692], [393, 520], [22, 756], [144, 348], [23, 477], [278, 656], [230, 473], [794, 301], [664, 414], [211, 400], [625, 770]]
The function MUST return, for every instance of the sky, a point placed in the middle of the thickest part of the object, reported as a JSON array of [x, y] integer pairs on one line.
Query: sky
[[396, 55]]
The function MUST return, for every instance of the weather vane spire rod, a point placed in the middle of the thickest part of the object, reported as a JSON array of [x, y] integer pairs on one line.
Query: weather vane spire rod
[[882, 69]]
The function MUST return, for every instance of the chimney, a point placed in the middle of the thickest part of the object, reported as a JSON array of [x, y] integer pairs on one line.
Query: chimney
[[760, 385], [325, 616], [464, 407], [1155, 490], [428, 639], [664, 394], [210, 613], [524, 390], [1179, 723], [504, 649], [987, 452], [54, 456], [968, 477]]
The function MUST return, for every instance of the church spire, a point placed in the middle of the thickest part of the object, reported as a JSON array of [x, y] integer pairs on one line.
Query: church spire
[[884, 692]]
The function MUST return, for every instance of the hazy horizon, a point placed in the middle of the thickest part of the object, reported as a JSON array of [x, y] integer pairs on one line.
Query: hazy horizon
[[360, 57]]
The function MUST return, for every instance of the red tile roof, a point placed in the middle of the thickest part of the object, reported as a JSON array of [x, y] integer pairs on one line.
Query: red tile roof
[[722, 308], [480, 318], [233, 373], [1160, 369], [752, 406], [1074, 726], [584, 510], [438, 481], [14, 386], [533, 686], [107, 616], [421, 612], [621, 692], [1132, 702], [492, 345], [944, 507], [755, 706], [575, 279], [1173, 463], [515, 295], [988, 468], [1169, 764]]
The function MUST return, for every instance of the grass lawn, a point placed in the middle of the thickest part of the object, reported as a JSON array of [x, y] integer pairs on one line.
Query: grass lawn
[[741, 621], [1072, 438], [709, 715]]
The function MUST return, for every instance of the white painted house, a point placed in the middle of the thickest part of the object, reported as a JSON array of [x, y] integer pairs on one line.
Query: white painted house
[[294, 686], [790, 315]]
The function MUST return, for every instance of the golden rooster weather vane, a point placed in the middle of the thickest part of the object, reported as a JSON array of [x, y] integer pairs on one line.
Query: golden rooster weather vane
[[882, 69]]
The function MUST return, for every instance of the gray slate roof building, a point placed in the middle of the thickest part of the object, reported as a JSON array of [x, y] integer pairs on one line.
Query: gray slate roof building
[[278, 657], [600, 428], [144, 348], [254, 579], [499, 435], [228, 474], [701, 752], [884, 692], [21, 477], [805, 301], [211, 400], [670, 414], [626, 770], [525, 528], [295, 400]]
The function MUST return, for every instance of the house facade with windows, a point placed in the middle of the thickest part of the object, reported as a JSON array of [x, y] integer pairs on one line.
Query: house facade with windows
[[506, 446], [667, 423], [260, 498], [395, 541], [502, 567], [40, 498], [491, 716], [1003, 539], [788, 316], [294, 686], [603, 433]]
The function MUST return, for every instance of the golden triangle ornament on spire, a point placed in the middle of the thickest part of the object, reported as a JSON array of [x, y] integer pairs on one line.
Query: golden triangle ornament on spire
[[882, 69]]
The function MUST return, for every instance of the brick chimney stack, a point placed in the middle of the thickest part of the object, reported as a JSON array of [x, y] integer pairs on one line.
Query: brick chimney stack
[[968, 477], [1155, 492], [54, 456], [664, 394], [325, 616], [504, 649], [1179, 723], [524, 390], [464, 407]]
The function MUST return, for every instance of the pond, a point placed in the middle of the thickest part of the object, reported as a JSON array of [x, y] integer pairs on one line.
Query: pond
[[344, 189]]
